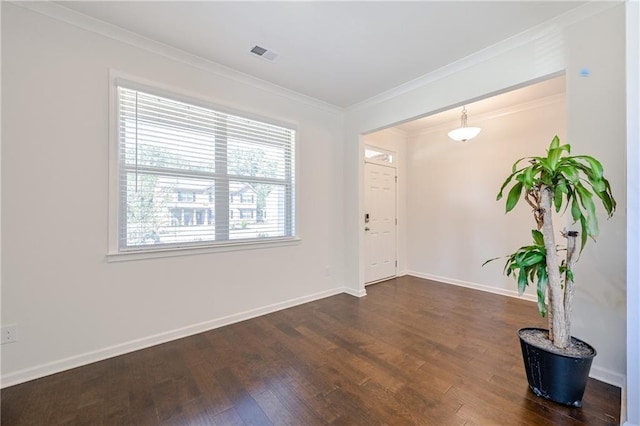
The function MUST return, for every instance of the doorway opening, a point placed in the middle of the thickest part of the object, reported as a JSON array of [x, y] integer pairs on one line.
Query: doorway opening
[[448, 222], [380, 217]]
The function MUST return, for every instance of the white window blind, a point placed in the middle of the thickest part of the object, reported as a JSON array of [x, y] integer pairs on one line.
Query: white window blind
[[190, 175]]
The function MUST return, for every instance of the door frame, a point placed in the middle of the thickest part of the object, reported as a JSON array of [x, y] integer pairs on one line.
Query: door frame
[[394, 165]]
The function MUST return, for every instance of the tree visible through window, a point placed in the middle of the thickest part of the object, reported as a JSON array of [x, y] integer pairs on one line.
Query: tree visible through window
[[184, 170]]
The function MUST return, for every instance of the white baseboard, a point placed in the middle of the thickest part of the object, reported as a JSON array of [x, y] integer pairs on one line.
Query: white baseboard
[[57, 366], [607, 376], [356, 293], [598, 373], [467, 284]]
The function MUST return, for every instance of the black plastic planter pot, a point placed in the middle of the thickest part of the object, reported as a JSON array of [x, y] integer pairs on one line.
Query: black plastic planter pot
[[560, 378]]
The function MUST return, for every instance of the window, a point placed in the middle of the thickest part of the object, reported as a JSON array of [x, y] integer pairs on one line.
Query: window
[[246, 213], [182, 165], [376, 155], [186, 196]]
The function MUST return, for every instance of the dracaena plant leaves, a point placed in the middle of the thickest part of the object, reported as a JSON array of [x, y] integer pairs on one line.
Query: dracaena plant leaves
[[573, 180]]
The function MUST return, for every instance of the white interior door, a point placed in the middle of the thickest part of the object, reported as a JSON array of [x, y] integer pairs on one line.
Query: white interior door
[[380, 222]]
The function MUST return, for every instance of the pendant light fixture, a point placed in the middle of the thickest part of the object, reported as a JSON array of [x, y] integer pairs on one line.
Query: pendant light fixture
[[464, 133]]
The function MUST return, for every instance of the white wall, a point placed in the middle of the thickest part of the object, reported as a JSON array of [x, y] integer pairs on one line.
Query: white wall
[[396, 140], [633, 209], [70, 305], [599, 316], [455, 223], [479, 76], [596, 125]]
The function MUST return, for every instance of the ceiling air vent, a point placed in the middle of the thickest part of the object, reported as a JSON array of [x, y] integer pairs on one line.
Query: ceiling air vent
[[266, 54]]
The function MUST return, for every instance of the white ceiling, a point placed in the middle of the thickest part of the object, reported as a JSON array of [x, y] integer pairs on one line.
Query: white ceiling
[[339, 52]]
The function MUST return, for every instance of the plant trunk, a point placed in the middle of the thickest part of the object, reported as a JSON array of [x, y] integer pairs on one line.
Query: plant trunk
[[568, 282], [558, 331]]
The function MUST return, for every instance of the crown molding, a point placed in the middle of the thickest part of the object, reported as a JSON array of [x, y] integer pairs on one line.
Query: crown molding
[[85, 22], [79, 20], [477, 118], [399, 132], [393, 130], [552, 27]]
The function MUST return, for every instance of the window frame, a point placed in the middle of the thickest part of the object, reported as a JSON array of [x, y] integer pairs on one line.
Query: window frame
[[117, 214]]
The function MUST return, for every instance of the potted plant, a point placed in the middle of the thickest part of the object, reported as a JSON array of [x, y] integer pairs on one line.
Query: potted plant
[[556, 363]]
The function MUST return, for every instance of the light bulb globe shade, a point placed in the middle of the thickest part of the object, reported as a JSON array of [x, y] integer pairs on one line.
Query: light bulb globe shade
[[463, 134]]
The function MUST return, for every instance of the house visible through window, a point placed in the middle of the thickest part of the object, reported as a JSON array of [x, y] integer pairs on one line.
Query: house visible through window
[[186, 196], [190, 175]]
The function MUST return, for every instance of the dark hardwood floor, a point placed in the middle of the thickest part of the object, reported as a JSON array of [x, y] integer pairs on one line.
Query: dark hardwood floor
[[411, 352]]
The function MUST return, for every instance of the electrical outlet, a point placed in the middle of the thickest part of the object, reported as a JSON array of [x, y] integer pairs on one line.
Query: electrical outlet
[[9, 334]]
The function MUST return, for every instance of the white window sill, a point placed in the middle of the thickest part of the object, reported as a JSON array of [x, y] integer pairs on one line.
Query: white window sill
[[188, 251]]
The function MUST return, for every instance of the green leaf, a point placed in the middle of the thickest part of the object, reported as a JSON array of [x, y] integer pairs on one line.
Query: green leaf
[[528, 177], [537, 237], [606, 201], [514, 196], [547, 179], [553, 156], [587, 202], [522, 282], [531, 259], [608, 190], [543, 281], [576, 213], [583, 234], [594, 164], [490, 260], [597, 184], [569, 171], [506, 182], [555, 142], [569, 275], [546, 165], [515, 165], [560, 190], [570, 198]]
